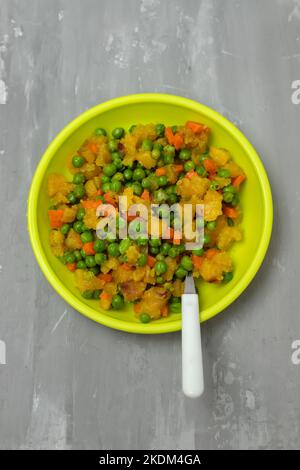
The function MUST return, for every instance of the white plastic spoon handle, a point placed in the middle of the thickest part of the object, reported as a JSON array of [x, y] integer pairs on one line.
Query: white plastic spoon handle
[[192, 367]]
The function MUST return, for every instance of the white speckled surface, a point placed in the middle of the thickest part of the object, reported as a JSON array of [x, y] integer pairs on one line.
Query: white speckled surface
[[69, 383]]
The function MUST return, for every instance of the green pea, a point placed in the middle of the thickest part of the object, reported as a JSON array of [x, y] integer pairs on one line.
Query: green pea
[[79, 191], [99, 245], [155, 154], [160, 196], [223, 173], [142, 241], [174, 129], [154, 250], [87, 236], [138, 174], [158, 146], [78, 226], [144, 318], [95, 270], [100, 258], [88, 294], [230, 189], [227, 277], [162, 180], [137, 189], [165, 248], [113, 145], [169, 150], [160, 280], [206, 239], [77, 255], [198, 252], [110, 169], [65, 229], [185, 154], [214, 185], [78, 161], [90, 261], [117, 302], [147, 144], [142, 261], [82, 252], [131, 128], [78, 178], [186, 263], [160, 267], [175, 308], [69, 258], [128, 174], [211, 225], [173, 252], [174, 300], [124, 245], [100, 131], [115, 186], [172, 198], [160, 130], [72, 198], [228, 197], [105, 179], [116, 155], [230, 222], [201, 171], [235, 200], [118, 133], [188, 166], [81, 264], [181, 273], [96, 294], [154, 242], [113, 249], [146, 183], [118, 177], [168, 159], [106, 187]]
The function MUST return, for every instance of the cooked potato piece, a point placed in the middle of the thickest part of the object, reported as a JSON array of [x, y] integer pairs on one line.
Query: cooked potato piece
[[153, 300], [212, 205], [133, 290], [213, 269], [57, 241], [227, 236], [194, 187], [73, 240], [220, 156]]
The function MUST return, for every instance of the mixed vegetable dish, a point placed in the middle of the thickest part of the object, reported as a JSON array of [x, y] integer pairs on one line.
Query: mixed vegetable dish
[[149, 164]]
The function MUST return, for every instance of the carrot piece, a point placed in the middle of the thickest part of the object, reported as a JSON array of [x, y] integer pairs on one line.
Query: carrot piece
[[91, 204], [169, 135], [109, 198], [137, 308], [130, 218], [71, 267], [160, 171], [230, 212], [190, 174], [98, 192], [164, 311], [209, 166], [197, 261], [126, 266], [105, 277], [178, 168], [55, 218], [178, 141], [170, 232], [145, 195], [238, 180], [105, 296], [89, 248], [151, 261], [211, 253], [93, 147], [176, 241], [196, 127]]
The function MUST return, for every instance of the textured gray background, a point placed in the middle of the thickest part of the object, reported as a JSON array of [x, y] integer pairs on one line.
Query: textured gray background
[[69, 383]]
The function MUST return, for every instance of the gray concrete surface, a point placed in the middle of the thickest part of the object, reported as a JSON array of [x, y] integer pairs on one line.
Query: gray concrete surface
[[69, 383]]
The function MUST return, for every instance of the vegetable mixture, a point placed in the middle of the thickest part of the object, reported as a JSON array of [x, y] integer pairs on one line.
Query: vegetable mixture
[[150, 164]]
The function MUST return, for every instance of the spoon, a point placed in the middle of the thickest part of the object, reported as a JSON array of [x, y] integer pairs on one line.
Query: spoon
[[192, 366]]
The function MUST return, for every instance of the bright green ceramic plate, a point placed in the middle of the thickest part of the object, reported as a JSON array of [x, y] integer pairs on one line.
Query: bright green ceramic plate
[[256, 203]]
